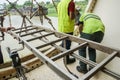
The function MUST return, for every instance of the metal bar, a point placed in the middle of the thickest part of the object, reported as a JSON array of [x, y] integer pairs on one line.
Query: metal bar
[[63, 74], [70, 51], [51, 42], [89, 62], [88, 75], [25, 30], [114, 75], [32, 33], [40, 37], [21, 28]]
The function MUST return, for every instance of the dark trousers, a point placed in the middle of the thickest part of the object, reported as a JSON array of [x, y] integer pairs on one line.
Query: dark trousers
[[1, 56], [97, 37], [67, 44]]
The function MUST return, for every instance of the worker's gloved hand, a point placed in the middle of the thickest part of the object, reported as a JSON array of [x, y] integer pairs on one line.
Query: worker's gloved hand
[[76, 30], [9, 28]]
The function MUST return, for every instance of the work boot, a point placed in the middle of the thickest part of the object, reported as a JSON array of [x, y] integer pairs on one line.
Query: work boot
[[79, 69], [69, 60]]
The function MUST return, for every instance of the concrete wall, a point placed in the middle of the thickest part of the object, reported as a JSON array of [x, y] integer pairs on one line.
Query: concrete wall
[[109, 12]]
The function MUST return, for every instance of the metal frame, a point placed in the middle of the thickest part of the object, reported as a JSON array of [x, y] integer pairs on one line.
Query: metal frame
[[83, 42]]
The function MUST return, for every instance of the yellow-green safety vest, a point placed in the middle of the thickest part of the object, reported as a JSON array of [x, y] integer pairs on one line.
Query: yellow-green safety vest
[[65, 24], [91, 23]]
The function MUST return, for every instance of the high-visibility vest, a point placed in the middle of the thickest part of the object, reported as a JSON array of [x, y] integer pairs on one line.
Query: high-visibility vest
[[65, 24], [91, 23]]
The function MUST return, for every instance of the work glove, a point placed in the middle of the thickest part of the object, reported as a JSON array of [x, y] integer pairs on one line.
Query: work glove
[[76, 30]]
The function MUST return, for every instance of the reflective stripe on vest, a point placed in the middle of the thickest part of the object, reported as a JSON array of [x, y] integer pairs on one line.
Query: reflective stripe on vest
[[91, 16]]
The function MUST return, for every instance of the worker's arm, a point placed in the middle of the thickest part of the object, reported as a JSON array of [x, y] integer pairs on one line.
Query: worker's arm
[[71, 10], [72, 15], [80, 24]]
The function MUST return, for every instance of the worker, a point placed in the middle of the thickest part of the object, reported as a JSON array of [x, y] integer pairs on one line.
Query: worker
[[66, 21], [91, 28], [3, 30]]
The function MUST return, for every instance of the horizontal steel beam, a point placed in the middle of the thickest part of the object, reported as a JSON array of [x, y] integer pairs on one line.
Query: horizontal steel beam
[[31, 33], [70, 51], [22, 28], [52, 42], [25, 30], [40, 37]]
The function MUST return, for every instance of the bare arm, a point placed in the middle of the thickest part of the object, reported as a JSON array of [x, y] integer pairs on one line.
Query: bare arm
[[71, 10], [72, 15]]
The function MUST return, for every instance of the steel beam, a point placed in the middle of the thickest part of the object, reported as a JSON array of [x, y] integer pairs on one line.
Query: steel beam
[[52, 42], [40, 37], [70, 51], [25, 30], [32, 33]]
